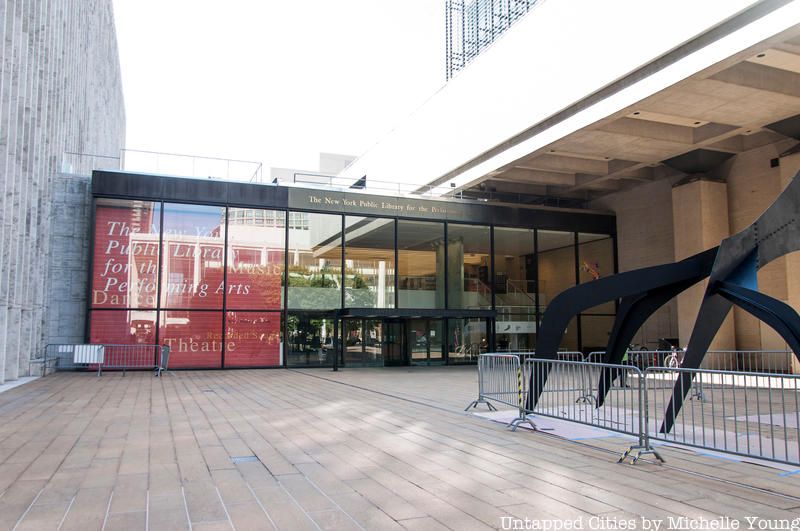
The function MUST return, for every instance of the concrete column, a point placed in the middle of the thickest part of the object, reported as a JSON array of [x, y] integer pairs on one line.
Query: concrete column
[[700, 222]]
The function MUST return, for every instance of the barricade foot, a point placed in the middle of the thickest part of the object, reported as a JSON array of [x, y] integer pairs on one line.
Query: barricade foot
[[514, 424], [475, 403], [586, 399], [636, 452]]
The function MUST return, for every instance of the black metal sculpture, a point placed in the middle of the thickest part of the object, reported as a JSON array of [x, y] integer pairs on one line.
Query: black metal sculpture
[[731, 268]]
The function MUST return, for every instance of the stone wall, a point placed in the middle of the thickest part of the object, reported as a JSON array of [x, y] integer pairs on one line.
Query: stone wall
[[60, 93]]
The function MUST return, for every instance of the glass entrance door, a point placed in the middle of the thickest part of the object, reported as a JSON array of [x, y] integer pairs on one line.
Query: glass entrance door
[[394, 343], [425, 338], [363, 341]]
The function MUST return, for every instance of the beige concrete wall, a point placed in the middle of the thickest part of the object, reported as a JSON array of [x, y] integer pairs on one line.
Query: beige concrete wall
[[700, 222], [645, 238], [657, 224]]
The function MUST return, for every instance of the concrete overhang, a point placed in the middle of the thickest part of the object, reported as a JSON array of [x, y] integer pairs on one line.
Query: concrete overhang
[[658, 81]]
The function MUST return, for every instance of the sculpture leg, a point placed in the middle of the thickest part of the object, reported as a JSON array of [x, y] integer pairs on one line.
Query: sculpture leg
[[712, 314]]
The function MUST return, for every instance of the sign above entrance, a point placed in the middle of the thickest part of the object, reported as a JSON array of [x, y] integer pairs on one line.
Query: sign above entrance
[[358, 203]]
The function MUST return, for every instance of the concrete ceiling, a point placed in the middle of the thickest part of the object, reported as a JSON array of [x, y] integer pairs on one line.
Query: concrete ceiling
[[706, 118]]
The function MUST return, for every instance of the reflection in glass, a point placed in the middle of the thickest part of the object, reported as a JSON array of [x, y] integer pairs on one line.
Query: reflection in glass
[[515, 332], [315, 262], [194, 338], [256, 243], [125, 262], [425, 341], [123, 327], [466, 340], [369, 262], [468, 267], [515, 272], [193, 256], [310, 340], [363, 342], [420, 264], [253, 339]]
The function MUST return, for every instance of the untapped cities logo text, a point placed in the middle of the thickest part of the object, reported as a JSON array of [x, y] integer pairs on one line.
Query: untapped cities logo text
[[721, 523]]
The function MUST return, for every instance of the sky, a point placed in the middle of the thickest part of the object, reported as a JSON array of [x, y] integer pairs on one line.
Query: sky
[[273, 81]]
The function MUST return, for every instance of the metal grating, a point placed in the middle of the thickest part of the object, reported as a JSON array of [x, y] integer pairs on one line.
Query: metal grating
[[472, 25]]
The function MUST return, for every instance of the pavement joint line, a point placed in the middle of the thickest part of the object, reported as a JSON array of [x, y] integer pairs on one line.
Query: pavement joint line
[[225, 508], [258, 501], [186, 508], [108, 508], [280, 484], [63, 518], [21, 518], [333, 501]]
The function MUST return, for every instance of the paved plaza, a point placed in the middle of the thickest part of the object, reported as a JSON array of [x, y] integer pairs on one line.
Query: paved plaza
[[314, 449]]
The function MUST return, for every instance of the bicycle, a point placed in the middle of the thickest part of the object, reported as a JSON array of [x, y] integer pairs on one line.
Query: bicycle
[[671, 361]]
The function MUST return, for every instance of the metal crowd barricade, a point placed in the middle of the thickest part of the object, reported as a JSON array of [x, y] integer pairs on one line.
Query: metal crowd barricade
[[65, 357], [500, 379], [68, 357], [497, 375], [771, 361], [622, 411], [745, 413], [131, 357]]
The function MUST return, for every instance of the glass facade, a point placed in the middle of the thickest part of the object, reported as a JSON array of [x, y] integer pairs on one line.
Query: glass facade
[[369, 262], [249, 287], [420, 264], [469, 266], [315, 263], [515, 275]]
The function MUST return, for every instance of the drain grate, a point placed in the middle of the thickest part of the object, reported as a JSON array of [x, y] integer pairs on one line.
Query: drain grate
[[244, 459]]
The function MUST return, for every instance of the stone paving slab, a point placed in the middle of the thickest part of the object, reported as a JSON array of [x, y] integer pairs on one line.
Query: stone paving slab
[[313, 449]]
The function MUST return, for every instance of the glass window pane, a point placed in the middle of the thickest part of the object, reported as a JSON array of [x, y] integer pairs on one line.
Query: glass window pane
[[255, 260], [125, 265], [514, 270], [315, 261], [469, 266], [596, 255], [466, 340], [369, 262], [556, 264], [192, 274], [194, 338], [253, 339], [516, 332], [421, 264], [123, 327], [310, 340]]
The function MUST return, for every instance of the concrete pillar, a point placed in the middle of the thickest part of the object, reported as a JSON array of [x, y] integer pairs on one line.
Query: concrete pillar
[[700, 222]]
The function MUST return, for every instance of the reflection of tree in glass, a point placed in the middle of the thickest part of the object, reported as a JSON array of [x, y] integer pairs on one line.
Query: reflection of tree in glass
[[358, 293], [305, 334]]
